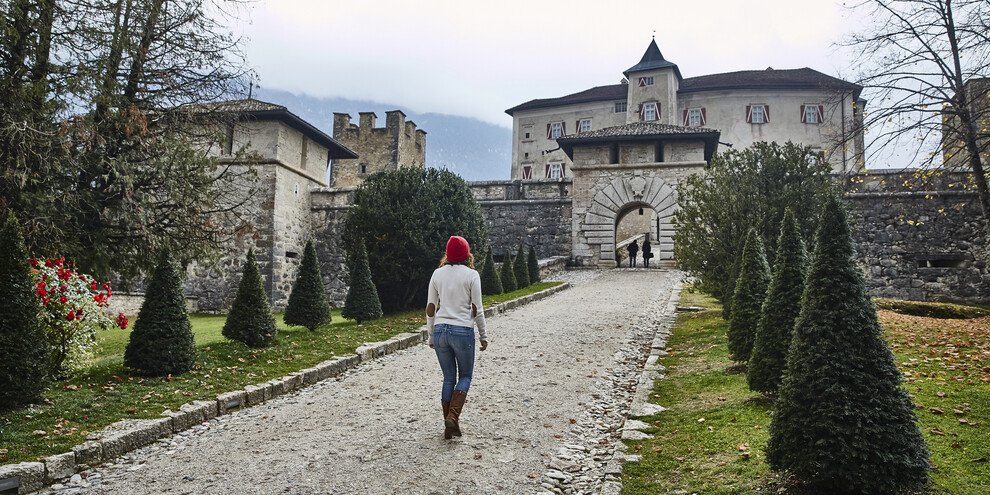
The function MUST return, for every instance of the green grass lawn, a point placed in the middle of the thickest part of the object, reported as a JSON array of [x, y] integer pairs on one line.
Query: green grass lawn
[[107, 391], [711, 438]]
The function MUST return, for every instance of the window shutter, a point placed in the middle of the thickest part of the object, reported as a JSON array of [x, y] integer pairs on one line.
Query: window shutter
[[548, 131], [656, 110], [563, 129], [804, 115], [642, 111], [686, 122], [749, 116], [821, 114], [577, 126], [562, 170], [766, 114], [527, 172], [642, 82], [703, 121], [548, 171]]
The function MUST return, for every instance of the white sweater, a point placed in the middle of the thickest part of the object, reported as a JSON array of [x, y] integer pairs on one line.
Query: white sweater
[[453, 289]]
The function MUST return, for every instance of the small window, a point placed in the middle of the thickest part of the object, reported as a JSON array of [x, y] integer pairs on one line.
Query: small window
[[694, 117], [812, 114], [291, 254], [527, 172], [555, 130], [646, 81], [940, 263], [650, 112], [584, 125], [527, 135], [620, 107], [758, 114], [525, 155], [364, 168], [555, 170], [228, 140]]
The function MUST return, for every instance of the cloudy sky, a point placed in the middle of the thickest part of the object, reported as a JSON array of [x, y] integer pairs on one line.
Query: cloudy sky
[[477, 59]]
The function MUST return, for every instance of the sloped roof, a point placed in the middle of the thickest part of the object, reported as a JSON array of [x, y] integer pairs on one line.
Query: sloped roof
[[642, 131], [803, 78], [251, 109], [653, 59], [598, 93]]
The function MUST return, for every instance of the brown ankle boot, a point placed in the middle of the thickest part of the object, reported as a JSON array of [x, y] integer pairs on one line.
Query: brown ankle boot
[[454, 413], [447, 432]]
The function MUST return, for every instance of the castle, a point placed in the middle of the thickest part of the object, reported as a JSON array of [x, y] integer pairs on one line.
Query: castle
[[615, 166]]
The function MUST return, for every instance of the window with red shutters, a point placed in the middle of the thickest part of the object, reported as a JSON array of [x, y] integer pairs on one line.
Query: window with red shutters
[[757, 114], [527, 172], [812, 114]]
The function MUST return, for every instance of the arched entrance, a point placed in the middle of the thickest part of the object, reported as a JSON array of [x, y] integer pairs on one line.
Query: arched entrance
[[623, 196]]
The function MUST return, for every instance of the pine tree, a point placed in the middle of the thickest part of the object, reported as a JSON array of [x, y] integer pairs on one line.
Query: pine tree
[[308, 305], [843, 422], [162, 340], [490, 282], [362, 303], [747, 301], [520, 268], [507, 276], [250, 319], [534, 266], [24, 348], [780, 310]]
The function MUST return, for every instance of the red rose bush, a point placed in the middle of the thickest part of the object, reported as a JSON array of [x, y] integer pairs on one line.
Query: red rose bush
[[76, 306]]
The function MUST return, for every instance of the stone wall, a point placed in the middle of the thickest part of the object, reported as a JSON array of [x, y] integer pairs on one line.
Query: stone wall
[[538, 213], [397, 145], [920, 237]]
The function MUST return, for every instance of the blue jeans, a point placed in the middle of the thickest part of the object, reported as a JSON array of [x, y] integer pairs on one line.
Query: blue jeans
[[455, 351]]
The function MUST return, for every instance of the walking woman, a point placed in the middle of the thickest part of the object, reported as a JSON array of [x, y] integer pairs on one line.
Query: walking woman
[[453, 309]]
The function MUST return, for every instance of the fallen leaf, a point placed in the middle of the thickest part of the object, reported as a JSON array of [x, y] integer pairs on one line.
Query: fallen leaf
[[721, 463], [980, 459], [39, 432], [936, 410], [937, 431], [956, 445], [743, 446], [678, 458], [701, 420]]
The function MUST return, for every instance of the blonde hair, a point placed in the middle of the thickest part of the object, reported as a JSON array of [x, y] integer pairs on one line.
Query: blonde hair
[[469, 261]]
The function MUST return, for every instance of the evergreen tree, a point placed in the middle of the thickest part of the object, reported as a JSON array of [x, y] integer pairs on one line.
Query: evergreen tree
[[490, 282], [24, 348], [843, 422], [308, 305], [162, 340], [780, 310], [250, 319], [520, 268], [362, 303], [507, 276], [534, 266], [747, 301]]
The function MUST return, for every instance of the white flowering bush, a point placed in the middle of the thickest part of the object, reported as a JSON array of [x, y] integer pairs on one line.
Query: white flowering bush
[[75, 308]]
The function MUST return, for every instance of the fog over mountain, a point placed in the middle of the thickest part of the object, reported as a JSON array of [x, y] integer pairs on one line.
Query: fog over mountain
[[473, 149]]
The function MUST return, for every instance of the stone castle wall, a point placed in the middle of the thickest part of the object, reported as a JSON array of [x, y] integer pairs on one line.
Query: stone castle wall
[[920, 238], [397, 145], [536, 213]]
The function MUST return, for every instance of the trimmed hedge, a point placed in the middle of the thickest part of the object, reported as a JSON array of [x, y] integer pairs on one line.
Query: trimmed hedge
[[250, 320], [308, 305], [162, 340]]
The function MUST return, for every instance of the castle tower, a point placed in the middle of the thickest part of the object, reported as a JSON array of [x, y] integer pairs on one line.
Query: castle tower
[[397, 145], [652, 88]]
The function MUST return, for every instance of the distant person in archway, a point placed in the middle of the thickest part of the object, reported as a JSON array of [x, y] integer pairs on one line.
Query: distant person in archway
[[647, 253], [456, 289], [633, 248]]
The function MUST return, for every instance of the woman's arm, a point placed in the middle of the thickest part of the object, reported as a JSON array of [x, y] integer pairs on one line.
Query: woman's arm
[[478, 311]]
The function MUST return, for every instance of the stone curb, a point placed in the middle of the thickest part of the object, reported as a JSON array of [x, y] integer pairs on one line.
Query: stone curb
[[131, 434], [641, 400]]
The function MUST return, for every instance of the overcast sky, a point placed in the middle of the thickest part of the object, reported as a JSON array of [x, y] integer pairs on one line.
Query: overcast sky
[[477, 59]]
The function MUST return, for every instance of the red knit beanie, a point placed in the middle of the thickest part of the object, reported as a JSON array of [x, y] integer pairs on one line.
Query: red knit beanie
[[457, 249]]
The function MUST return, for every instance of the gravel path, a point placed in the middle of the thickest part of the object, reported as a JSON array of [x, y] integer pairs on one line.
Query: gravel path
[[543, 413]]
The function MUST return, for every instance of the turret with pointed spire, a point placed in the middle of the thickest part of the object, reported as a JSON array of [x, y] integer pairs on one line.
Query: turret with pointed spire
[[652, 91]]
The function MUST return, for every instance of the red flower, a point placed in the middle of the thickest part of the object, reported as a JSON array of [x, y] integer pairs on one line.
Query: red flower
[[34, 262], [71, 316], [62, 288], [42, 292], [121, 320], [46, 301], [48, 263], [63, 299], [92, 285]]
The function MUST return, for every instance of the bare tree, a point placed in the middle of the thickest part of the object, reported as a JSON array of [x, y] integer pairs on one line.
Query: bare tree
[[925, 63]]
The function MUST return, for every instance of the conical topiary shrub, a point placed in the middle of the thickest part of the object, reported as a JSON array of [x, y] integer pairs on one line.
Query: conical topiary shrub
[[534, 266], [250, 319], [162, 340], [747, 300], [506, 275], [520, 268], [490, 282], [362, 303], [780, 310], [24, 348], [843, 423], [308, 305]]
